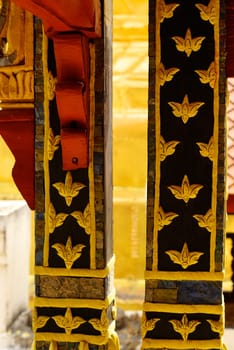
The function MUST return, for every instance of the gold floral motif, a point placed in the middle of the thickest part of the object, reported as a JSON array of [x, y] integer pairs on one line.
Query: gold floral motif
[[166, 10], [184, 258], [55, 220], [167, 148], [38, 321], [164, 219], [53, 144], [69, 189], [68, 253], [185, 191], [18, 85], [184, 327], [100, 325], [208, 76], [185, 110], [188, 44], [83, 219], [217, 326], [207, 221], [68, 322], [148, 325], [166, 75], [207, 149], [207, 13], [51, 86]]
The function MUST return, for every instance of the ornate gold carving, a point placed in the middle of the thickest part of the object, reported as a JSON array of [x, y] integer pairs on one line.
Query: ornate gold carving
[[166, 10], [51, 86], [167, 148], [184, 327], [184, 258], [38, 322], [207, 221], [207, 13], [208, 76], [148, 325], [185, 191], [83, 219], [166, 75], [102, 324], [68, 253], [17, 85], [68, 322], [69, 189], [188, 44], [164, 219], [55, 220], [185, 110], [217, 326], [53, 144], [207, 149]]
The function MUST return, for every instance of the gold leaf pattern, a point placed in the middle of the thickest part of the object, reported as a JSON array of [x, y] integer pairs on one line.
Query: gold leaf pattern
[[68, 253], [68, 322], [207, 221], [207, 13], [166, 10], [53, 144], [38, 322], [69, 189], [164, 219], [217, 326], [184, 327], [185, 191], [166, 75], [185, 110], [148, 325], [55, 220], [208, 76], [51, 86], [188, 44], [184, 258], [83, 219], [102, 324], [207, 150], [167, 148]]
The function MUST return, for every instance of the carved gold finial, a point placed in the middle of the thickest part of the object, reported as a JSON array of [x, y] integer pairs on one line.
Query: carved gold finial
[[207, 13], [166, 10], [166, 75], [53, 144], [68, 322], [55, 220], [51, 86], [83, 219], [207, 221], [185, 191], [184, 327], [188, 44], [68, 253], [69, 189], [147, 325], [102, 324], [167, 148], [164, 219], [207, 149], [217, 326], [208, 76], [184, 258], [38, 321], [185, 110]]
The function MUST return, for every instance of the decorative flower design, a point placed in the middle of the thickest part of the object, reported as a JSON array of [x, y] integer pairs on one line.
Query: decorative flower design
[[185, 191], [184, 258], [167, 148], [217, 326], [53, 144], [208, 76], [207, 13], [102, 324], [164, 219], [166, 75], [207, 221], [184, 327], [55, 220], [166, 10], [185, 110], [207, 150], [188, 44], [38, 321], [68, 253], [68, 322], [148, 325], [83, 219]]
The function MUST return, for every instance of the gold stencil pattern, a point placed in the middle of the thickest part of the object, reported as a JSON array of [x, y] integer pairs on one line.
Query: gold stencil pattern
[[148, 325], [217, 326], [207, 149], [207, 13], [38, 321], [184, 258], [164, 219], [207, 221], [188, 44], [69, 253], [207, 76], [185, 110], [166, 10], [83, 219], [68, 322], [55, 220], [166, 75], [184, 327], [185, 191], [167, 148], [53, 144], [100, 325]]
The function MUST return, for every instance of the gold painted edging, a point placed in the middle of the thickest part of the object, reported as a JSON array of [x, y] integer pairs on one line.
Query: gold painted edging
[[181, 344], [184, 308], [182, 275]]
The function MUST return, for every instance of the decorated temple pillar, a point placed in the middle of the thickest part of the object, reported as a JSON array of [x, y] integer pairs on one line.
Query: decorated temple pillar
[[183, 306]]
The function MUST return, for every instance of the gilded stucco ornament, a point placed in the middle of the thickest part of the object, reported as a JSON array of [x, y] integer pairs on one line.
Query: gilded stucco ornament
[[167, 148], [207, 149], [51, 86], [68, 322], [102, 324], [69, 253], [184, 258], [53, 144], [55, 220], [208, 76], [185, 110], [164, 219], [217, 326], [184, 327], [166, 10], [38, 321], [69, 189], [147, 325], [83, 219], [206, 221], [166, 75], [188, 44], [207, 13], [185, 191]]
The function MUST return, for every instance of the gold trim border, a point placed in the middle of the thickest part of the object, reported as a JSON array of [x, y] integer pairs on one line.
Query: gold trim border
[[184, 308], [182, 275], [181, 344]]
